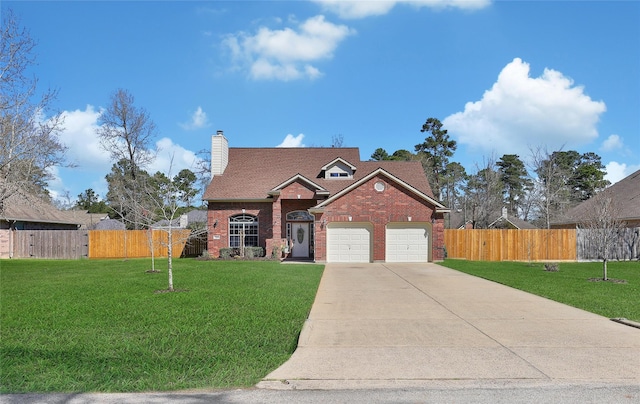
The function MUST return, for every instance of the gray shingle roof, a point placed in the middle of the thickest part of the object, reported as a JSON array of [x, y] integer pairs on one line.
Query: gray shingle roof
[[625, 192], [18, 208]]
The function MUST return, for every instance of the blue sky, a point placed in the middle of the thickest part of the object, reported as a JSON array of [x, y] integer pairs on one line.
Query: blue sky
[[503, 76]]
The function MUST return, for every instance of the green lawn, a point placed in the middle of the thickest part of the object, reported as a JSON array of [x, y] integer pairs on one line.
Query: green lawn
[[99, 325], [571, 285]]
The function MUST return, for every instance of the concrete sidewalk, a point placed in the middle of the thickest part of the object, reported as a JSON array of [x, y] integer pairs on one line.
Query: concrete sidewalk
[[411, 325]]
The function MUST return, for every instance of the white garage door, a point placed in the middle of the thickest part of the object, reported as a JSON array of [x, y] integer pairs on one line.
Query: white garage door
[[407, 243], [348, 243]]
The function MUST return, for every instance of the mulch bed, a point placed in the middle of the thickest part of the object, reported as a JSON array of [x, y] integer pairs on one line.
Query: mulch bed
[[608, 280], [171, 291]]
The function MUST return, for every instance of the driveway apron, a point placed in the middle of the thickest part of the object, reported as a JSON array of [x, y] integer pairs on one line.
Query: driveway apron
[[393, 325]]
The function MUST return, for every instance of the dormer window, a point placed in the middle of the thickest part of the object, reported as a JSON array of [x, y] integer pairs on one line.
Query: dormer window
[[336, 175], [338, 169]]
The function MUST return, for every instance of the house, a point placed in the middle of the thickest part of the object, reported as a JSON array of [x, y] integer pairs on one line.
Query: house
[[195, 218], [110, 224], [502, 221], [323, 204], [625, 193], [456, 220], [22, 214], [505, 221]]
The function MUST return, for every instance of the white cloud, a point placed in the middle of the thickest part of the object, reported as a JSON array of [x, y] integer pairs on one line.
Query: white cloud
[[292, 141], [80, 136], [362, 9], [520, 112], [93, 163], [611, 143], [287, 54], [171, 158], [198, 120], [617, 171]]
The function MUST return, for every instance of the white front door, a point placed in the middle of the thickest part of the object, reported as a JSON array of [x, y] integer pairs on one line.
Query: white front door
[[300, 236]]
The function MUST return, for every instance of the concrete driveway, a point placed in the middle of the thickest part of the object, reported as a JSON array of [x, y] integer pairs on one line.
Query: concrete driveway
[[411, 325]]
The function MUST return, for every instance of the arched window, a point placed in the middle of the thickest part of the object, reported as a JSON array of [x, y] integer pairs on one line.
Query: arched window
[[299, 216], [241, 227]]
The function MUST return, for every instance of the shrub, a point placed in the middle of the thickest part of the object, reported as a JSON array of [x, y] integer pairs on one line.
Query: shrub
[[276, 253], [551, 267], [253, 252], [228, 253]]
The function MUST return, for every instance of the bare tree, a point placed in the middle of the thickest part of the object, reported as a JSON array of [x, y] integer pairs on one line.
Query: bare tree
[[202, 169], [156, 205], [551, 191], [603, 226], [127, 132], [484, 194], [29, 139], [167, 202], [337, 140]]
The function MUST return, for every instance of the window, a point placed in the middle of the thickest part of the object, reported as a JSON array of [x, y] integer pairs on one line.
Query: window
[[336, 175], [243, 226], [299, 216]]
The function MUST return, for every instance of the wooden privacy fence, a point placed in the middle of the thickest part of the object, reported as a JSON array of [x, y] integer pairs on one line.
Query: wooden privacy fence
[[625, 246], [59, 244], [135, 243], [511, 245], [74, 244]]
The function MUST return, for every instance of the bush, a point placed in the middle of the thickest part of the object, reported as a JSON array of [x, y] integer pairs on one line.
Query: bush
[[277, 251], [228, 253], [249, 253], [551, 267], [253, 252]]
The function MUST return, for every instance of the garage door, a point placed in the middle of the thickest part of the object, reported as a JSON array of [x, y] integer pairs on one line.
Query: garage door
[[407, 243], [348, 243]]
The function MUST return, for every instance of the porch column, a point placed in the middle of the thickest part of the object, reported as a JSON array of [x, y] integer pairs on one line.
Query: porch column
[[277, 217]]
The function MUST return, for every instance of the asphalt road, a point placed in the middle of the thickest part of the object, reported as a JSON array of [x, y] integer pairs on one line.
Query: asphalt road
[[436, 393]]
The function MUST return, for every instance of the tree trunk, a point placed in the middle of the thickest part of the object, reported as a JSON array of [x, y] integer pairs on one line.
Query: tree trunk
[[169, 254], [604, 270]]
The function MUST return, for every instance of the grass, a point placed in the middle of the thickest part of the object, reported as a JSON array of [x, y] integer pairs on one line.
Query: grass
[[99, 325], [571, 285]]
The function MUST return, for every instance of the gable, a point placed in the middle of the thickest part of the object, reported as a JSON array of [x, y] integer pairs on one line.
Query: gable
[[338, 169], [416, 193], [296, 182]]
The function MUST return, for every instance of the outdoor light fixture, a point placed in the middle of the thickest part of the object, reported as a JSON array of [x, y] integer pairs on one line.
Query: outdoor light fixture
[[215, 224]]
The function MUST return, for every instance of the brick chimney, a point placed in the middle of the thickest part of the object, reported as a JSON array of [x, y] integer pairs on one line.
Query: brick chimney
[[219, 153]]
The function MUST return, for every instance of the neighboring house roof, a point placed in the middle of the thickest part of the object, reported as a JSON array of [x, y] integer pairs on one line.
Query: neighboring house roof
[[110, 224], [20, 210], [505, 220], [626, 194], [457, 220], [502, 220], [85, 219], [257, 173], [192, 217]]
